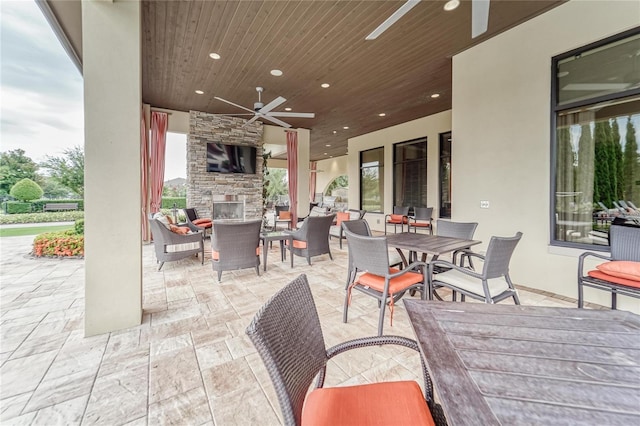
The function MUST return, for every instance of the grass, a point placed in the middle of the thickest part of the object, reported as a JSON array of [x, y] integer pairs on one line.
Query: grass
[[32, 230]]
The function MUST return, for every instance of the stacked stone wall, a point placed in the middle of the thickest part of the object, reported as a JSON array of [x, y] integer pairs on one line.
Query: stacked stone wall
[[204, 187]]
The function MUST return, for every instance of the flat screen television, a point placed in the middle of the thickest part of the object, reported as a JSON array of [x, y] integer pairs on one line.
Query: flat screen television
[[225, 158]]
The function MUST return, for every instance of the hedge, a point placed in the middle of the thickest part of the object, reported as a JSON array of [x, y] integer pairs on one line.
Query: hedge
[[70, 216], [167, 202], [16, 207]]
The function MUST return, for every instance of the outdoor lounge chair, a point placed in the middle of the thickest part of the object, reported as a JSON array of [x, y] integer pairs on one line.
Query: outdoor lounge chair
[[336, 230], [312, 239], [172, 246], [235, 245], [491, 285], [196, 223], [621, 273], [369, 256], [287, 333], [400, 217]]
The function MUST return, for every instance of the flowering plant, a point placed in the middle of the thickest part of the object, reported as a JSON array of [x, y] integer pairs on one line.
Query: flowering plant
[[59, 244]]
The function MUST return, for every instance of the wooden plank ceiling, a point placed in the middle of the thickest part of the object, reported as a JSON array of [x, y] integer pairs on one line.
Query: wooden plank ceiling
[[313, 42]]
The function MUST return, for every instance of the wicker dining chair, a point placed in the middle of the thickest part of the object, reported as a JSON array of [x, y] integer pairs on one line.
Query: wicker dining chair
[[421, 219], [235, 245], [336, 230], [621, 274], [312, 238], [491, 285], [369, 256], [400, 217], [287, 333]]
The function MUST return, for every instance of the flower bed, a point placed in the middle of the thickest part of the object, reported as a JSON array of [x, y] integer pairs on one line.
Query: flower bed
[[59, 244]]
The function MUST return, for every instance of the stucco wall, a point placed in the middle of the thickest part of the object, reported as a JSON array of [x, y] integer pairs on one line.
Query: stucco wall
[[501, 128]]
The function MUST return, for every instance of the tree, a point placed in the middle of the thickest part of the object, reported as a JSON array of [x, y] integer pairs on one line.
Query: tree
[[277, 183], [68, 170], [15, 166], [26, 190], [631, 162]]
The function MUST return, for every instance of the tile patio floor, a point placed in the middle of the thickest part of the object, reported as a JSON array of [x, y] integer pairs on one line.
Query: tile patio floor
[[190, 362]]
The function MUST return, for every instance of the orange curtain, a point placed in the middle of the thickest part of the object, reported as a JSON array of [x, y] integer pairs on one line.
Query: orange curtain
[[313, 166], [158, 143], [292, 168], [144, 165]]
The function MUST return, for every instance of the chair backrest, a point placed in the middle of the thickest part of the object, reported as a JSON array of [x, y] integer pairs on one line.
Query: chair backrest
[[191, 214], [359, 227], [625, 242], [368, 254], [236, 241], [498, 256], [401, 210], [423, 213], [353, 212], [287, 334], [457, 229], [280, 209]]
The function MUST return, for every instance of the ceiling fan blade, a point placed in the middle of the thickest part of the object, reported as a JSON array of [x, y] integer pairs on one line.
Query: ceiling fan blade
[[255, 117], [292, 114], [273, 104], [235, 105], [479, 17], [275, 120], [410, 4]]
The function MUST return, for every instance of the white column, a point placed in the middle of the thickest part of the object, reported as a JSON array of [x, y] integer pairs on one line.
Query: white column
[[111, 37], [304, 142]]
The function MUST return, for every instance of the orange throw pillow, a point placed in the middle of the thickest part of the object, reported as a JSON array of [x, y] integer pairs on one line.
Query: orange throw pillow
[[284, 215], [169, 219], [342, 216], [202, 222], [397, 218], [179, 229], [621, 269]]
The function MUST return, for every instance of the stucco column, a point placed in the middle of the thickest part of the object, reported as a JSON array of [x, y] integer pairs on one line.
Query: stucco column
[[304, 142], [111, 36]]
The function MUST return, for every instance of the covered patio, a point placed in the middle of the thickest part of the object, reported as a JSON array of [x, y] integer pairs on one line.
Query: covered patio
[[189, 362]]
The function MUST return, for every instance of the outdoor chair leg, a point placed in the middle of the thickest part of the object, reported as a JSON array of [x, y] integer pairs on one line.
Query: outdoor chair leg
[[346, 306], [219, 276], [580, 295], [614, 299], [331, 257], [258, 270], [160, 267], [383, 304]]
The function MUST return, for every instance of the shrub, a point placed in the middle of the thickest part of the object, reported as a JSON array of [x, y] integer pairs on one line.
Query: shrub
[[79, 226], [41, 217], [26, 190], [59, 244], [16, 207], [167, 202]]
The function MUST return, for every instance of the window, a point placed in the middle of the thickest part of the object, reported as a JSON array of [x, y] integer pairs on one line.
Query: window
[[410, 173], [445, 175], [372, 180], [595, 155]]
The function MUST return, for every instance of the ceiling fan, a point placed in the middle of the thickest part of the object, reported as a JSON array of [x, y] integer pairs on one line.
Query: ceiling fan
[[479, 17], [261, 111]]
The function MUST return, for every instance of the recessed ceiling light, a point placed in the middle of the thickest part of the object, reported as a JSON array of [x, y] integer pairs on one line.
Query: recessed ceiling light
[[335, 131], [276, 73], [287, 109], [325, 153], [435, 95], [325, 85], [214, 56], [382, 114], [199, 92], [328, 144], [346, 127], [451, 5]]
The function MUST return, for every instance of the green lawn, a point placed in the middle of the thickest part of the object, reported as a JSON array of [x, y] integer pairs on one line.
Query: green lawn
[[32, 230]]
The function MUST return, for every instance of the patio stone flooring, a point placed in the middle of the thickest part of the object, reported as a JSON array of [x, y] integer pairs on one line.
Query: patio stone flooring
[[189, 362]]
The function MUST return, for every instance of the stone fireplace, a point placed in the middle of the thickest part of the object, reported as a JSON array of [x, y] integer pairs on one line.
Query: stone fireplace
[[205, 190], [228, 207]]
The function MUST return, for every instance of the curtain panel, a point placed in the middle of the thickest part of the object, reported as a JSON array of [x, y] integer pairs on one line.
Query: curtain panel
[[292, 168], [144, 178], [158, 143]]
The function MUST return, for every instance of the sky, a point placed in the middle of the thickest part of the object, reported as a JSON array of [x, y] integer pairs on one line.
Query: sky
[[41, 91]]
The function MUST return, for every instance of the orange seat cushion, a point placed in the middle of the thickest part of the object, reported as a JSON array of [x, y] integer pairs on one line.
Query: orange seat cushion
[[298, 244], [397, 218], [205, 223], [390, 403], [622, 269], [179, 229], [340, 216], [421, 224], [617, 280], [284, 215], [215, 255], [396, 284]]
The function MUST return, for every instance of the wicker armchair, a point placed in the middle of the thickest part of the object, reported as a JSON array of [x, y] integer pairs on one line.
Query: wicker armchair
[[621, 275], [235, 245], [400, 217], [286, 332], [196, 223], [171, 246], [336, 230], [312, 239], [370, 255], [490, 286], [421, 219]]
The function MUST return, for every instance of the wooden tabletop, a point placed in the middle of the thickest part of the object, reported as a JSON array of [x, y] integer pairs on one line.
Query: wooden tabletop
[[514, 365]]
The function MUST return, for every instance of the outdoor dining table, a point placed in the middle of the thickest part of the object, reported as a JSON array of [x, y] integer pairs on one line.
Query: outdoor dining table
[[426, 244], [513, 365]]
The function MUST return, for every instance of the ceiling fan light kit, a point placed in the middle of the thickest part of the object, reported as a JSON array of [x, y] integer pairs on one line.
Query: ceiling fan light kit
[[262, 111]]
